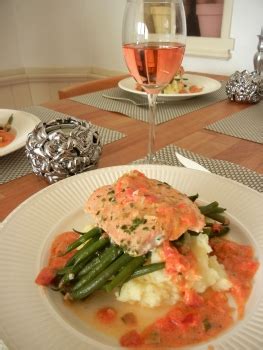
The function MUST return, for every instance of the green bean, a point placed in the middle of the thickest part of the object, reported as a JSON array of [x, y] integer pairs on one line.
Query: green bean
[[91, 249], [104, 260], [71, 261], [67, 269], [193, 233], [88, 267], [212, 233], [219, 210], [212, 208], [90, 234], [194, 197], [218, 218], [72, 272], [79, 232], [179, 242], [62, 271], [145, 269], [98, 282], [205, 209], [125, 273]]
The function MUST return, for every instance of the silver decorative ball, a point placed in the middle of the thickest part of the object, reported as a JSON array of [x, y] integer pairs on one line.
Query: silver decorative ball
[[62, 148], [244, 87]]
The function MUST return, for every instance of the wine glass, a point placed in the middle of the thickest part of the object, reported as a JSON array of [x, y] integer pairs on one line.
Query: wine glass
[[153, 39]]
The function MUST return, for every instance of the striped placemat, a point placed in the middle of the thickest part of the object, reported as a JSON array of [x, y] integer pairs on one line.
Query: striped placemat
[[16, 164], [227, 169], [246, 124], [165, 111]]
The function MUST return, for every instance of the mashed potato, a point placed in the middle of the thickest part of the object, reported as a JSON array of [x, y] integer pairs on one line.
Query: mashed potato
[[150, 290], [158, 288]]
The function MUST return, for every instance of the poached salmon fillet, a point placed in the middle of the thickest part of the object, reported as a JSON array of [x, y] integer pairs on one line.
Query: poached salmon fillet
[[139, 213]]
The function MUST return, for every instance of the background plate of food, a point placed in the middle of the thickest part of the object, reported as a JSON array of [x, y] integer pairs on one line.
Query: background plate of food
[[14, 127], [36, 317], [182, 87]]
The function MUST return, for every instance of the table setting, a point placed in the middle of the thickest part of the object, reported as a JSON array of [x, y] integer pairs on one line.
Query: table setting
[[150, 153], [169, 106], [16, 164]]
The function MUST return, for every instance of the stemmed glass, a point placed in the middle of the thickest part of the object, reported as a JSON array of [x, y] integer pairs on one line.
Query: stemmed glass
[[153, 38]]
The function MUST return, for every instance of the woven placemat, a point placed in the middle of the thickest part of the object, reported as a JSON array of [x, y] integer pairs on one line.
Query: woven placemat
[[165, 112], [16, 164], [246, 124], [227, 169]]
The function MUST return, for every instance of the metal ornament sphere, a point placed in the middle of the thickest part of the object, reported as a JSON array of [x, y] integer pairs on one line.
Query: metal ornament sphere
[[244, 87], [62, 148]]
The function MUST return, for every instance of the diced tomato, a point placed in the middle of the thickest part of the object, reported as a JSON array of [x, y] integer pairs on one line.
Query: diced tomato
[[183, 91], [150, 198], [216, 227], [127, 188], [6, 137], [174, 261], [45, 276], [248, 267], [194, 88], [62, 241], [106, 315], [191, 320], [192, 298], [57, 260], [130, 339], [165, 324], [183, 320]]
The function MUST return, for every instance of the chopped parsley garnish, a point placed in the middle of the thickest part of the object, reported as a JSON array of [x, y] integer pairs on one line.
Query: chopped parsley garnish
[[207, 324], [136, 222], [163, 184]]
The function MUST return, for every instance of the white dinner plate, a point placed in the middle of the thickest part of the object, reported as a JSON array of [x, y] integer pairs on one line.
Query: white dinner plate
[[31, 317], [208, 84], [23, 123]]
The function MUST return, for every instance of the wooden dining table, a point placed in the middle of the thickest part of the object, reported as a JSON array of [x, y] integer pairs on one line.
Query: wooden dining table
[[187, 132]]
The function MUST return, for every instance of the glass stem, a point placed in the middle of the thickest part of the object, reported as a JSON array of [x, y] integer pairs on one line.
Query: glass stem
[[151, 119]]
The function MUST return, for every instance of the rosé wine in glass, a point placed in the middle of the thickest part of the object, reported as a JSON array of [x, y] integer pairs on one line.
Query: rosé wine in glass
[[153, 65], [153, 40]]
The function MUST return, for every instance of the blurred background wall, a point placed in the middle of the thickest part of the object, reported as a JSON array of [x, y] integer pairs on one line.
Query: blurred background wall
[[46, 44]]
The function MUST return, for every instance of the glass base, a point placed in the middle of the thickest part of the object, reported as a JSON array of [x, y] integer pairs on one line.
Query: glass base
[[149, 159]]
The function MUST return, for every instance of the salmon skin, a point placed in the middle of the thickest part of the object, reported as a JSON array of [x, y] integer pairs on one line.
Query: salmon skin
[[139, 213]]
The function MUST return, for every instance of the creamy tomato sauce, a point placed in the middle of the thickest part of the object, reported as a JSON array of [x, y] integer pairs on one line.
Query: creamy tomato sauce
[[184, 325], [240, 266], [58, 258], [181, 324], [6, 137]]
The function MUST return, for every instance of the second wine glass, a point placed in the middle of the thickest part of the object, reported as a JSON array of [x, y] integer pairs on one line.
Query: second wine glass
[[153, 37]]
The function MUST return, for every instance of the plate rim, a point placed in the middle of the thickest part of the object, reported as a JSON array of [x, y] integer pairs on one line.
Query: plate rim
[[21, 141], [78, 178], [171, 96]]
